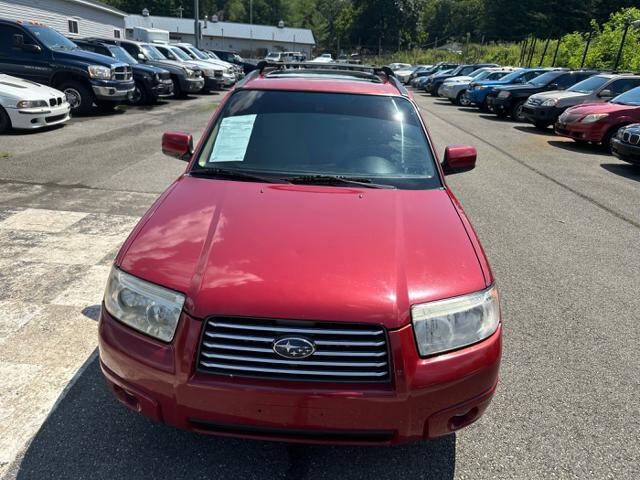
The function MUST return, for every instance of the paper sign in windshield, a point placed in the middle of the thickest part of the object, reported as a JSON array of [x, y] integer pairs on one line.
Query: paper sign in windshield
[[233, 139]]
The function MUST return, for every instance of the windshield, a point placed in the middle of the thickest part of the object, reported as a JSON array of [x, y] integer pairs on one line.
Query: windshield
[[512, 76], [477, 73], [152, 52], [589, 85], [198, 53], [488, 74], [296, 133], [544, 79], [50, 38], [122, 55], [631, 97], [179, 53]]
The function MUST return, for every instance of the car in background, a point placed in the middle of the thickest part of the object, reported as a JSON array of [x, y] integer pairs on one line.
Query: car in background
[[421, 81], [418, 72], [399, 66], [433, 85], [511, 100], [455, 88], [230, 72], [234, 57], [194, 330], [152, 82], [186, 78], [403, 74], [626, 144], [37, 52], [422, 76], [546, 108], [599, 123], [324, 58], [26, 105], [213, 74], [478, 92]]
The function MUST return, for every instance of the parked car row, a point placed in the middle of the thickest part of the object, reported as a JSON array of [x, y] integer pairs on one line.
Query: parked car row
[[46, 77], [588, 106]]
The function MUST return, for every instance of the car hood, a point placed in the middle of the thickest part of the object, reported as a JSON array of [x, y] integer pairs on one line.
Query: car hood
[[83, 57], [562, 95], [146, 68], [19, 89], [604, 107], [460, 79], [304, 252]]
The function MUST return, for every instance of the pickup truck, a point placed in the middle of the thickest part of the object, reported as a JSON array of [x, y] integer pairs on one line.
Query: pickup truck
[[36, 52]]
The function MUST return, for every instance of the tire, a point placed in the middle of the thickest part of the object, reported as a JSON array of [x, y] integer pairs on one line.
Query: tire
[[462, 100], [516, 112], [79, 96], [140, 95], [5, 121], [606, 140], [581, 142], [541, 125], [177, 89]]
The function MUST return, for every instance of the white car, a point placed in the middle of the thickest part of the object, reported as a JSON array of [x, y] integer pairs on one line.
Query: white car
[[28, 105], [324, 58], [455, 88]]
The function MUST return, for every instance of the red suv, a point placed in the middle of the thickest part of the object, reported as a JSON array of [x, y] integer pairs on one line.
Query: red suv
[[310, 277]]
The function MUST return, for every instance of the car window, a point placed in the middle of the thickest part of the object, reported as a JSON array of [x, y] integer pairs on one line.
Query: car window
[[589, 85], [531, 75], [152, 52], [544, 79], [630, 97], [326, 134], [122, 55], [49, 37], [568, 79], [132, 49], [6, 37], [620, 86], [467, 70]]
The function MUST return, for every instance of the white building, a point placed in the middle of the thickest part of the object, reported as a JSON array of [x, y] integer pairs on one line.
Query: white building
[[74, 18], [254, 40]]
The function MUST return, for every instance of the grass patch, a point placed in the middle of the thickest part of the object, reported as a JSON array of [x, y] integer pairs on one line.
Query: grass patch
[[4, 154]]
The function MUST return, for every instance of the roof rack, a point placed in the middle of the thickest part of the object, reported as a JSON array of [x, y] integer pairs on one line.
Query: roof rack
[[372, 71]]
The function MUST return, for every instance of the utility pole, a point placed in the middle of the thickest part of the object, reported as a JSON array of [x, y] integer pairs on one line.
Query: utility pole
[[251, 12], [586, 48], [196, 22], [544, 52], [533, 49], [555, 55]]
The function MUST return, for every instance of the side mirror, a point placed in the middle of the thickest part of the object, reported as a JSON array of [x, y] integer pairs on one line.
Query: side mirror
[[605, 94], [141, 57], [27, 47], [178, 145], [458, 159], [17, 40], [555, 86]]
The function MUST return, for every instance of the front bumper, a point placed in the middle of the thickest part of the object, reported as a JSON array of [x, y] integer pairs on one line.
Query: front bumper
[[426, 398], [451, 91], [499, 106], [112, 90], [191, 85], [32, 118], [163, 89], [213, 83], [626, 152], [588, 132], [539, 114]]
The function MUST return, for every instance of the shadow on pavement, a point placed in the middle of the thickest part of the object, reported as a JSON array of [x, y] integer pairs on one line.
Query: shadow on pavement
[[91, 435], [536, 131], [624, 170], [583, 148]]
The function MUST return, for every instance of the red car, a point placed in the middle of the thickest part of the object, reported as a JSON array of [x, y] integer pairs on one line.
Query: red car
[[310, 277], [599, 122]]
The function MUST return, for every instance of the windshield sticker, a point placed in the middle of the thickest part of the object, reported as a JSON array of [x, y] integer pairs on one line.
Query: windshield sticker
[[233, 139]]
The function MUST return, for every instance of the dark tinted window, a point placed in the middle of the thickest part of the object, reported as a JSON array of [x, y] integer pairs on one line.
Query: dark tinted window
[[620, 86], [131, 48], [304, 133]]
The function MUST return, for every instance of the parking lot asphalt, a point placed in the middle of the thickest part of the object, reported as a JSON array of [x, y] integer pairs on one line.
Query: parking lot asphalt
[[560, 224]]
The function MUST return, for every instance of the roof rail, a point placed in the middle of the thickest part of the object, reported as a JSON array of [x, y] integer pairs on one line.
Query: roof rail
[[263, 65]]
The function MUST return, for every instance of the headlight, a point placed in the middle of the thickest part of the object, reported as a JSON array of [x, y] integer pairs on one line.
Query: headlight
[[189, 73], [146, 307], [551, 102], [504, 94], [99, 72], [594, 117], [32, 104], [456, 322]]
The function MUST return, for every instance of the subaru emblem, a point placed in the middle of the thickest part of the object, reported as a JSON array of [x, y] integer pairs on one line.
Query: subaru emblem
[[294, 347]]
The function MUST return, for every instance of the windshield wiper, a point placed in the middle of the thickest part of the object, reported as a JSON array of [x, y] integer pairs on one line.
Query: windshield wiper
[[337, 180], [235, 174]]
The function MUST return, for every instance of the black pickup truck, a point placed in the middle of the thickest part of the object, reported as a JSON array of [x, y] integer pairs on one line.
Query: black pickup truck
[[151, 82], [36, 52]]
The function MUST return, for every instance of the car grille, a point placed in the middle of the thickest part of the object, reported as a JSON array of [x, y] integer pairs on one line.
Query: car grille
[[164, 76], [55, 101], [344, 351], [631, 138], [124, 73]]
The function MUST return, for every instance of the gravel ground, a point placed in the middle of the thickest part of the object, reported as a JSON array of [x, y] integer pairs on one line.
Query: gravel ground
[[561, 227]]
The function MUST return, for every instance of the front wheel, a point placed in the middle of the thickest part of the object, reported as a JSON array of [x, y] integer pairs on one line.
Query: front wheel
[[140, 95], [607, 141], [5, 121], [517, 112], [79, 96], [462, 99]]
